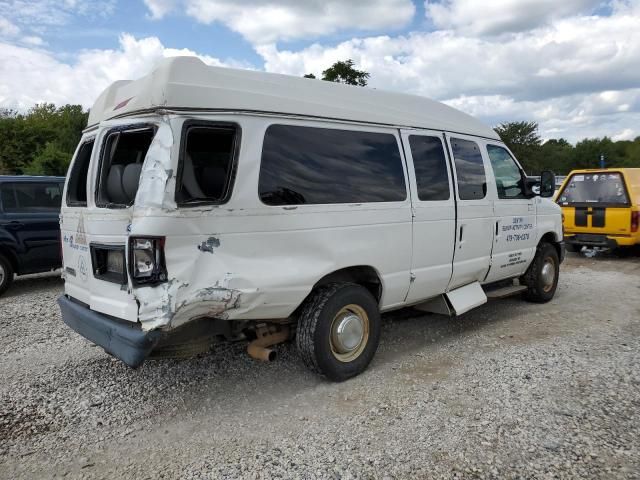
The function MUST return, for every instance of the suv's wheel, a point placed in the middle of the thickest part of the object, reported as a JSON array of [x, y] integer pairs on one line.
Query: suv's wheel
[[338, 330], [541, 277], [6, 274]]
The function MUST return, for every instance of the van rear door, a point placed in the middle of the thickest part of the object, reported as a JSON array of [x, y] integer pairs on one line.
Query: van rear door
[[597, 203]]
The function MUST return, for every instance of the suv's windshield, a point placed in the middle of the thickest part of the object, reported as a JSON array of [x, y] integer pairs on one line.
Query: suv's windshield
[[607, 188]]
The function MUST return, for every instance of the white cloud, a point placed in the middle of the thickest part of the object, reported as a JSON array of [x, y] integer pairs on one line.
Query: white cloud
[[626, 134], [40, 14], [499, 16], [263, 22], [29, 76], [160, 8], [8, 29], [33, 40], [576, 76]]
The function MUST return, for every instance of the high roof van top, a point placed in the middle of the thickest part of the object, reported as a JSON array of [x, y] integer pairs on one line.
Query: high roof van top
[[206, 203]]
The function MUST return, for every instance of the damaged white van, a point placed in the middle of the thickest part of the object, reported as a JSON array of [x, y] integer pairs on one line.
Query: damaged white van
[[207, 203]]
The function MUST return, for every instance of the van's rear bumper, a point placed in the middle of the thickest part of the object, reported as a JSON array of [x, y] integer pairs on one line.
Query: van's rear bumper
[[122, 339]]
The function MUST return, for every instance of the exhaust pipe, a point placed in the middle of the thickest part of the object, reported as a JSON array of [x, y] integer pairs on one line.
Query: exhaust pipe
[[258, 348]]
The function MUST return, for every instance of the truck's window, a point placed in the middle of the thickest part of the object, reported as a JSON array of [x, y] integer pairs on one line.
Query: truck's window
[[121, 163], [308, 165], [31, 197], [604, 188], [508, 175], [77, 189], [430, 166], [206, 163], [472, 182]]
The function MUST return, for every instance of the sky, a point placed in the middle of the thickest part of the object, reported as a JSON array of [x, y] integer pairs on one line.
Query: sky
[[573, 66]]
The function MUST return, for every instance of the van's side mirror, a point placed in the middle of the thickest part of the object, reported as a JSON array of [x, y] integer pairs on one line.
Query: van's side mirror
[[547, 184]]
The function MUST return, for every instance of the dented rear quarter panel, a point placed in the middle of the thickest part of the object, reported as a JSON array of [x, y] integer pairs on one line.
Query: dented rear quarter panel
[[244, 260]]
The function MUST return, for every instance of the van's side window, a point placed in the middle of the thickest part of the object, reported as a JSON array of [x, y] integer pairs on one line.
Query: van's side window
[[121, 164], [77, 189], [430, 166], [507, 173], [31, 197], [206, 162], [472, 181], [309, 165]]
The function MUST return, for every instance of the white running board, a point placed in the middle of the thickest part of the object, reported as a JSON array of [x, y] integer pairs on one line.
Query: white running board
[[466, 298]]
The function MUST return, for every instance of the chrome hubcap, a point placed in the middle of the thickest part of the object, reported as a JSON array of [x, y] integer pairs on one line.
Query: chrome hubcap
[[349, 333], [548, 274]]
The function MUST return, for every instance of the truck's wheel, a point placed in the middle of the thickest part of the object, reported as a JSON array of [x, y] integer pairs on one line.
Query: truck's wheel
[[541, 277], [6, 274], [338, 330]]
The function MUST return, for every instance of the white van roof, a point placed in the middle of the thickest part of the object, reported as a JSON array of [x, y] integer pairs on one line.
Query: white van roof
[[188, 83]]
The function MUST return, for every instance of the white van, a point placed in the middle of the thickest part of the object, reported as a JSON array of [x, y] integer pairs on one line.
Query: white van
[[207, 203]]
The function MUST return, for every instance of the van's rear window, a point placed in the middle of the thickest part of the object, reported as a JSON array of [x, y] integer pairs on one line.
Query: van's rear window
[[603, 188], [77, 184], [122, 157]]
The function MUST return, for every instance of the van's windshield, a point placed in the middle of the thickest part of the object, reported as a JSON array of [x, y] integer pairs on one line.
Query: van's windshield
[[606, 188]]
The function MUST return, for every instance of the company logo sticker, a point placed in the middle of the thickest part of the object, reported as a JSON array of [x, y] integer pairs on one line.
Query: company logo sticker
[[82, 268]]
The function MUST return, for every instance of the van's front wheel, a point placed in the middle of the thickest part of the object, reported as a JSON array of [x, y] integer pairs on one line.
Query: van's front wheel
[[541, 278], [338, 330]]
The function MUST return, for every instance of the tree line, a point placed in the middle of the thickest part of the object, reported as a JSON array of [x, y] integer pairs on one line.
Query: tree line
[[42, 140]]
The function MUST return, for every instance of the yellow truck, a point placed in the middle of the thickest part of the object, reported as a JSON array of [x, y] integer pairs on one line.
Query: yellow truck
[[601, 208]]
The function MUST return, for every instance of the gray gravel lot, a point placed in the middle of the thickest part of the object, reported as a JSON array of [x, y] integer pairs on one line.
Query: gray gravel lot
[[510, 390]]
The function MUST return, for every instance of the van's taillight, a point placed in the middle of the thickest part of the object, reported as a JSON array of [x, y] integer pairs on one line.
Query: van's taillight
[[146, 260], [635, 219]]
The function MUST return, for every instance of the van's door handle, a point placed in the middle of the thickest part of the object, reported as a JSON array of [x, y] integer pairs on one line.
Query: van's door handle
[[461, 232], [497, 228]]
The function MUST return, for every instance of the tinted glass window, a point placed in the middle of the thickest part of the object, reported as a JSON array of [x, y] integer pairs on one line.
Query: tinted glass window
[[206, 165], [431, 167], [508, 175], [607, 188], [77, 189], [31, 197], [122, 158], [320, 165], [472, 182]]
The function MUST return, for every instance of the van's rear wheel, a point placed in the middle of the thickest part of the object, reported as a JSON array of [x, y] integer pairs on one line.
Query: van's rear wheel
[[541, 278], [338, 330], [6, 274]]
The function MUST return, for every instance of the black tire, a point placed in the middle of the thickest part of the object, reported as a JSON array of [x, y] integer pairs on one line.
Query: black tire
[[539, 288], [6, 274], [314, 331]]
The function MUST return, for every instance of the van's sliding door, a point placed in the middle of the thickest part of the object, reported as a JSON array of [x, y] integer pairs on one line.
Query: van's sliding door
[[475, 220], [434, 213]]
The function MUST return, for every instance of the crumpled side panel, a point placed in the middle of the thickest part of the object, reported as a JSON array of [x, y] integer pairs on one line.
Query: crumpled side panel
[[157, 181]]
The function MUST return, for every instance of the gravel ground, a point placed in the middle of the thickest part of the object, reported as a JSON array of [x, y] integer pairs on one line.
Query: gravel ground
[[509, 390]]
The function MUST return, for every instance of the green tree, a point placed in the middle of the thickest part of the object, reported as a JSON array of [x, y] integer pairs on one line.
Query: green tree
[[344, 72], [523, 140], [40, 141]]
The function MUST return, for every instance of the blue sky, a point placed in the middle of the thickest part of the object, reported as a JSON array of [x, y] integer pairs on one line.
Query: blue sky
[[572, 66]]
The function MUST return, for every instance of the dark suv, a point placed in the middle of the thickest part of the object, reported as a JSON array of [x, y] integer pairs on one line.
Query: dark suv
[[29, 226]]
